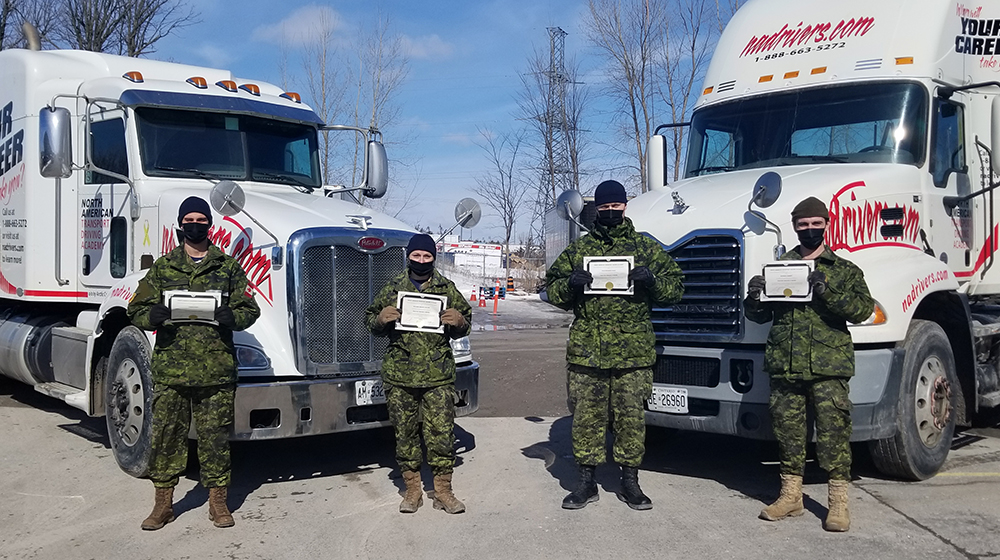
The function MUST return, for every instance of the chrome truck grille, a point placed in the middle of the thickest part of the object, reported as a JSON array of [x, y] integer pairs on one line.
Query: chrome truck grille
[[332, 281], [712, 306]]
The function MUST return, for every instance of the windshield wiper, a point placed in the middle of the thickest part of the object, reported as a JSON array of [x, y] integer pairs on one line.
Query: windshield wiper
[[837, 159], [714, 168], [196, 172], [288, 180]]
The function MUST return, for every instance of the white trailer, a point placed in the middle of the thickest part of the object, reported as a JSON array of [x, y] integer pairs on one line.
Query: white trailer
[[888, 111], [96, 154]]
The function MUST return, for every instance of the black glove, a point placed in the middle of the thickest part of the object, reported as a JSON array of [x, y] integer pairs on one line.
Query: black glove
[[641, 277], [224, 316], [755, 287], [817, 279], [579, 279], [158, 314]]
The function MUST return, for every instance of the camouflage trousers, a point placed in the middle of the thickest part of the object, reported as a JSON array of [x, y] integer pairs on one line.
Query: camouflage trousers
[[603, 396], [173, 408], [831, 404], [435, 408]]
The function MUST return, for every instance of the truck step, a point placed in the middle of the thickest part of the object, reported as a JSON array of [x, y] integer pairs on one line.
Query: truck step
[[983, 331], [70, 395], [989, 400]]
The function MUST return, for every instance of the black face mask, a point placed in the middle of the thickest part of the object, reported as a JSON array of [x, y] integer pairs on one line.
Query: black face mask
[[811, 238], [195, 232], [420, 269], [610, 218]]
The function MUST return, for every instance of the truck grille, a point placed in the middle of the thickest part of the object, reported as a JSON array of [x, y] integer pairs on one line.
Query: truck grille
[[711, 308], [684, 370], [338, 283]]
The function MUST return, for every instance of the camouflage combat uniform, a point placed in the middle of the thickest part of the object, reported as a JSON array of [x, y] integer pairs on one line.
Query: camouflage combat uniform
[[810, 358], [611, 347], [194, 366], [419, 375]]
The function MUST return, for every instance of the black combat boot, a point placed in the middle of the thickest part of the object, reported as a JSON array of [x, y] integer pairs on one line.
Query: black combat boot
[[586, 490], [631, 494]]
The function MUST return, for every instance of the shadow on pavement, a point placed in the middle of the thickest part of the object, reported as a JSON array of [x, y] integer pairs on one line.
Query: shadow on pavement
[[749, 467]]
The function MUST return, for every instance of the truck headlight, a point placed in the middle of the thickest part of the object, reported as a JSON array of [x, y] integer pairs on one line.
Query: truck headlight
[[461, 350], [249, 357]]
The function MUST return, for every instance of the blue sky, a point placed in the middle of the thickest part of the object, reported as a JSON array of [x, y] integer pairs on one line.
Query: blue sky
[[464, 60]]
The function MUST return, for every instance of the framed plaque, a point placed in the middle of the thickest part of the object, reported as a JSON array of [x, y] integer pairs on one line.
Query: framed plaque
[[787, 281], [420, 312], [610, 275]]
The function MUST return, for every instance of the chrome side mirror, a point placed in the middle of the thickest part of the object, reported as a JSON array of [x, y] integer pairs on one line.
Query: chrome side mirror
[[55, 143], [377, 172]]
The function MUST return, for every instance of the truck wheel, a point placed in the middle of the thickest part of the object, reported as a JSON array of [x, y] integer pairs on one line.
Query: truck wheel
[[128, 395], [925, 418]]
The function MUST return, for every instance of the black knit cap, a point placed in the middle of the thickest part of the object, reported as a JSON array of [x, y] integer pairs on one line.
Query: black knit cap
[[194, 204], [811, 207], [610, 191], [422, 242]]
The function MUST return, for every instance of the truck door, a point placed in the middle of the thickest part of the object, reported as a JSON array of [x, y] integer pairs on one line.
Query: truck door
[[104, 203], [948, 235]]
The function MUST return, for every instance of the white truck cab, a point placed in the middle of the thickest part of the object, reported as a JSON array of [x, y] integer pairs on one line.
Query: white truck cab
[[884, 110], [97, 152]]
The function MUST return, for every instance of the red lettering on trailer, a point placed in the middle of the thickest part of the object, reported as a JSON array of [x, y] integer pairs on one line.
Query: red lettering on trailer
[[789, 36]]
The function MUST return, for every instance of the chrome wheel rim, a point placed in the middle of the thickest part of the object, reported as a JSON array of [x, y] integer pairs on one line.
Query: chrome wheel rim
[[932, 401], [127, 402]]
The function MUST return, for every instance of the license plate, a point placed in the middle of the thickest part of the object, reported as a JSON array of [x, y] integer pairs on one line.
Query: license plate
[[369, 391], [669, 399]]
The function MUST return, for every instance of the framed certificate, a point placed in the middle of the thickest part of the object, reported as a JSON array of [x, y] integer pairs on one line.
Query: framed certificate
[[610, 275], [192, 307], [787, 281], [420, 312]]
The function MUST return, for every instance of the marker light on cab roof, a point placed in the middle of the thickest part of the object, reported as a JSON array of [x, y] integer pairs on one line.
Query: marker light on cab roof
[[227, 85], [292, 96], [133, 76], [251, 88], [900, 60], [198, 82]]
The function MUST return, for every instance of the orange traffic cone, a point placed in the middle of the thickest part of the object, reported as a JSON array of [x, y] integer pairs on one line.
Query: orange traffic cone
[[473, 298]]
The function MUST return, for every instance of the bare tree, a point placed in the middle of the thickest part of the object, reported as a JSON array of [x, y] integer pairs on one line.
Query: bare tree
[[92, 25], [687, 41], [502, 189], [628, 34], [144, 22], [44, 15], [326, 87]]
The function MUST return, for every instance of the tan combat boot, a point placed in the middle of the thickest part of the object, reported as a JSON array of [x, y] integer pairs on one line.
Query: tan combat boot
[[443, 496], [218, 511], [414, 496], [838, 519], [163, 510], [789, 502]]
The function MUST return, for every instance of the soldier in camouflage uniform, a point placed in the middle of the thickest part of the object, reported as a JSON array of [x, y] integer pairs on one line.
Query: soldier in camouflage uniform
[[193, 366], [611, 347], [809, 358], [419, 375]]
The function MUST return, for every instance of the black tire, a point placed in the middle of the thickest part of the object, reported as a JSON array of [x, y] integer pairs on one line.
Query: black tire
[[128, 396], [925, 417]]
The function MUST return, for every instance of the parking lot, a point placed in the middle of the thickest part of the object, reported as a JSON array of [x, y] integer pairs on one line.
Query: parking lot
[[336, 496]]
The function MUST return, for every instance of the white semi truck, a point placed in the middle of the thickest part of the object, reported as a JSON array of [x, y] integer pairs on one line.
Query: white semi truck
[[889, 112], [96, 154]]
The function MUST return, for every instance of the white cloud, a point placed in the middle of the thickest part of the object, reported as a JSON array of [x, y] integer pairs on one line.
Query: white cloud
[[427, 46], [215, 57], [304, 26], [458, 138]]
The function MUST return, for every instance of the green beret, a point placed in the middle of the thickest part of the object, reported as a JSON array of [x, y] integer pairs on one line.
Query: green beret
[[811, 207]]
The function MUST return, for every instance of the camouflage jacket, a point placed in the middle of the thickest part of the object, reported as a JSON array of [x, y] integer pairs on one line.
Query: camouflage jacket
[[811, 340], [419, 359], [613, 331], [191, 354]]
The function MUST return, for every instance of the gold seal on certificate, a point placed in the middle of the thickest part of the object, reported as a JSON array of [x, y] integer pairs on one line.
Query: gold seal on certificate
[[787, 281], [192, 307], [610, 275], [420, 312]]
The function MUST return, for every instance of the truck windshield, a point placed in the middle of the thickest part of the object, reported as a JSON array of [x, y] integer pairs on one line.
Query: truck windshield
[[868, 123], [177, 143]]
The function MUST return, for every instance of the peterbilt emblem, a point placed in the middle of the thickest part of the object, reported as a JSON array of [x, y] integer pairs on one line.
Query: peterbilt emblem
[[370, 243]]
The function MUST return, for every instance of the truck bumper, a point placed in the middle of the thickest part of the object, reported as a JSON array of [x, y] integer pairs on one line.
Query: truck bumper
[[874, 391], [323, 406]]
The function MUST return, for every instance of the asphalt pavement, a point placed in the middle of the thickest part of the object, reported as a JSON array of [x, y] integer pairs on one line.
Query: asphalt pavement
[[63, 497]]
